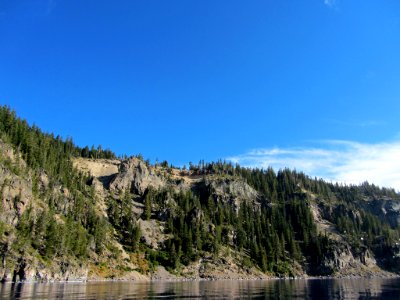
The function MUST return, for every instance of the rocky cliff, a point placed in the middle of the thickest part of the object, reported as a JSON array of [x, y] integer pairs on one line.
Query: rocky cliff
[[126, 218]]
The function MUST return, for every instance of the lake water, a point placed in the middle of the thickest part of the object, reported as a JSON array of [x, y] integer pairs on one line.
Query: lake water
[[229, 289]]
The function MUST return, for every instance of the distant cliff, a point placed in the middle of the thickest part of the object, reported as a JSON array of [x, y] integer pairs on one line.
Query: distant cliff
[[71, 213]]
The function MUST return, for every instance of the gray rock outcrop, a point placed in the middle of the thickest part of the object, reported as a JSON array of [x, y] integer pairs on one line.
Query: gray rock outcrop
[[134, 176]]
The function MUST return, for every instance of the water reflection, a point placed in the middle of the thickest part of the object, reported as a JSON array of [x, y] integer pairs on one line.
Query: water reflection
[[271, 289]]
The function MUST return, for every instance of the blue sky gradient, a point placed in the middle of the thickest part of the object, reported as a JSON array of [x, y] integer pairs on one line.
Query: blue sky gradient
[[191, 80]]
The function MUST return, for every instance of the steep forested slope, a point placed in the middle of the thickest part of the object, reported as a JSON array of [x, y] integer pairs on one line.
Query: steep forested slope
[[70, 212]]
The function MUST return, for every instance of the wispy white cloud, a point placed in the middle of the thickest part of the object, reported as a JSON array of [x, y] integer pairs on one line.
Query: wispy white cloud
[[338, 161], [331, 3]]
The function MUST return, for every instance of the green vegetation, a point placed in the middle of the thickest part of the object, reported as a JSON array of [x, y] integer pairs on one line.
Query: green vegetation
[[78, 223], [272, 233]]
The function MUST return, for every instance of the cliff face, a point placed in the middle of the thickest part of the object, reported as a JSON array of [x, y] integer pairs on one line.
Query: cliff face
[[357, 254], [129, 219], [385, 208], [20, 198], [341, 258], [134, 176], [15, 187]]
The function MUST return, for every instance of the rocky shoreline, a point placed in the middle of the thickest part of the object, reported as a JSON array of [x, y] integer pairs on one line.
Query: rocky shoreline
[[184, 279]]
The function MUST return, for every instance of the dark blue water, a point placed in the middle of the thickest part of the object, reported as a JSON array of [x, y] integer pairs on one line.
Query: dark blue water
[[271, 289]]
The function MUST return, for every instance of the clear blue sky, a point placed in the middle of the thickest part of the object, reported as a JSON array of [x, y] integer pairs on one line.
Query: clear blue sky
[[190, 80]]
